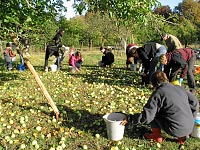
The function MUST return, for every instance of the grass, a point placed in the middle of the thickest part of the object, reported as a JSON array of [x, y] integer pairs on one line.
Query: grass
[[28, 122]]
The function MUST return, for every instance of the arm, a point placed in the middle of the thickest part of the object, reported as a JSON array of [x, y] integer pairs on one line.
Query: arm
[[149, 112]]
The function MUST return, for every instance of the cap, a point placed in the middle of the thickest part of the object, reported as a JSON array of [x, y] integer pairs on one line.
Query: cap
[[131, 46]]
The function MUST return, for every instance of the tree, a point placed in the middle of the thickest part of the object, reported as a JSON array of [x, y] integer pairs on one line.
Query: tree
[[31, 16], [187, 32], [124, 11], [190, 9]]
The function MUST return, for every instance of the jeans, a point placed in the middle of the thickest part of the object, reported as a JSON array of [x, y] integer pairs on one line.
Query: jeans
[[155, 60]]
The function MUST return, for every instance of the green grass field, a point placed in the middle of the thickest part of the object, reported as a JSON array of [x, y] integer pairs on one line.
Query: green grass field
[[28, 122]]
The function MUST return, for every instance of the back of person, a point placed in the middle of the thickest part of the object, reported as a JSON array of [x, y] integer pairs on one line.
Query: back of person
[[109, 57], [173, 43], [186, 53], [175, 109]]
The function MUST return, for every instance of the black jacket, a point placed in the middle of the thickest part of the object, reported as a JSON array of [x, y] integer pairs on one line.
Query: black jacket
[[146, 53], [108, 57], [58, 40]]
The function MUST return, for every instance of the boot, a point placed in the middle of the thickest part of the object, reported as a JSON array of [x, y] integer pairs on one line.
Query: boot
[[155, 135]]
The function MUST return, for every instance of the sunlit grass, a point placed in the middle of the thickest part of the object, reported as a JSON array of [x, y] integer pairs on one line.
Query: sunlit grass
[[28, 122]]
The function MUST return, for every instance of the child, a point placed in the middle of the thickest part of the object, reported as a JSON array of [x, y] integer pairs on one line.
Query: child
[[9, 56], [75, 61], [71, 51]]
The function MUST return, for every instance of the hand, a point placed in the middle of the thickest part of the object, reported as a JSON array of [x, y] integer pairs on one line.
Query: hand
[[124, 122], [180, 80], [77, 69]]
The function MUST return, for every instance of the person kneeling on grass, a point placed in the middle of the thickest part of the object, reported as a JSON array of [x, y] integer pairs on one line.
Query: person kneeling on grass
[[170, 108], [107, 58], [75, 61]]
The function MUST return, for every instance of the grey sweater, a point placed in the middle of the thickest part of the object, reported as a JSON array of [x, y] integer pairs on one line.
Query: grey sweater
[[174, 108]]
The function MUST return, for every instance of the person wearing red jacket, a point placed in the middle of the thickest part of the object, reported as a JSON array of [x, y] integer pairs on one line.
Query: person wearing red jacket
[[75, 61], [180, 60]]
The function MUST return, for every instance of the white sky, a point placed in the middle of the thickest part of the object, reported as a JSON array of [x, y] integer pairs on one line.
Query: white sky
[[71, 12]]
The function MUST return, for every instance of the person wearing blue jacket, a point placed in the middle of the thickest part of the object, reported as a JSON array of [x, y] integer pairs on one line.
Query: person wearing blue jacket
[[170, 108]]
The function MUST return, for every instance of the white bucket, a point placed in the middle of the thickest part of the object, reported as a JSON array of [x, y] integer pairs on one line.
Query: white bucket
[[196, 129], [53, 68], [115, 131]]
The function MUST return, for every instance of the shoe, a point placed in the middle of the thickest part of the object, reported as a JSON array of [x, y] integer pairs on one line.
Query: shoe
[[155, 135], [46, 69], [181, 140]]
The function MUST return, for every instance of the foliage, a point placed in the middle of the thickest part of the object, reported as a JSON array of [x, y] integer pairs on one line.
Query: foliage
[[190, 9], [27, 121], [187, 32], [123, 11], [34, 17]]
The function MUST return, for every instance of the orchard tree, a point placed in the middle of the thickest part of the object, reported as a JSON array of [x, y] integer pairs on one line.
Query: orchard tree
[[31, 16], [190, 9], [124, 11], [187, 32]]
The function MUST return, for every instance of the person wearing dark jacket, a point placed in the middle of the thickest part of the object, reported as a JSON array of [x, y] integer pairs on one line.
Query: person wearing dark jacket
[[54, 49], [170, 108], [107, 58], [129, 56], [149, 54], [180, 60]]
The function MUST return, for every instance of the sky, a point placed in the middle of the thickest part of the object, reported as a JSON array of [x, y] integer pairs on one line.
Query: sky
[[71, 13], [171, 3]]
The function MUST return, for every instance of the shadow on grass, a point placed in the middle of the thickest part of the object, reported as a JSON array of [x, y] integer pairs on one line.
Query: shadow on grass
[[7, 76], [110, 76], [94, 124]]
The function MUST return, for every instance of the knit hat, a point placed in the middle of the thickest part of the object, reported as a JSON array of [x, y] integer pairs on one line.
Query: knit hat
[[131, 46]]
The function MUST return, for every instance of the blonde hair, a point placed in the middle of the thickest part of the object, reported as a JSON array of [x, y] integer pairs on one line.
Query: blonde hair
[[162, 58]]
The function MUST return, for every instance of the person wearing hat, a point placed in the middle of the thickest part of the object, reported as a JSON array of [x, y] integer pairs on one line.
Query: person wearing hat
[[108, 57], [180, 60], [170, 108], [129, 57], [172, 42], [149, 54]]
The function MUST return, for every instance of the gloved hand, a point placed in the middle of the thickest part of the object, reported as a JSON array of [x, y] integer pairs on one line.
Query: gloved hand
[[180, 80]]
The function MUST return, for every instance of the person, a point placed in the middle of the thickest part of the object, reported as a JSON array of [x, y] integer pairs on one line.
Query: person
[[149, 54], [21, 43], [129, 56], [180, 60], [172, 42], [170, 108], [108, 57], [71, 51], [75, 61], [55, 49], [9, 56]]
